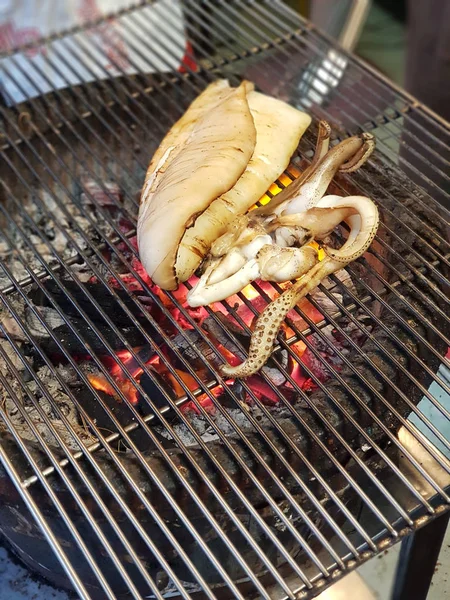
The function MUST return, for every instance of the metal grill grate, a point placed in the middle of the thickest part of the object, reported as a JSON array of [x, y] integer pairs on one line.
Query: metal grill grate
[[269, 501]]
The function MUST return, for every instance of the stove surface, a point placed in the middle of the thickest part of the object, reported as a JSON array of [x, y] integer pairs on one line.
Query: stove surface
[[16, 582]]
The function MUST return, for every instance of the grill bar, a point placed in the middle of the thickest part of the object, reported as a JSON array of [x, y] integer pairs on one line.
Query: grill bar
[[342, 441], [443, 258], [137, 416], [384, 83], [428, 264], [86, 513], [295, 45], [350, 418], [98, 364], [291, 41], [46, 529], [49, 454], [399, 239], [318, 47], [403, 284], [111, 381], [397, 236]]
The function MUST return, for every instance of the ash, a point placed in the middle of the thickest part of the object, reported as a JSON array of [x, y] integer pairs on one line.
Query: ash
[[43, 229], [23, 401], [207, 432]]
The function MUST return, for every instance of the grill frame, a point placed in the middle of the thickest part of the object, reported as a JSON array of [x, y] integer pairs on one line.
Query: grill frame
[[27, 483]]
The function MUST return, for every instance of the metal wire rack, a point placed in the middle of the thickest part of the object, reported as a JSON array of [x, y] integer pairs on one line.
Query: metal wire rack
[[271, 502]]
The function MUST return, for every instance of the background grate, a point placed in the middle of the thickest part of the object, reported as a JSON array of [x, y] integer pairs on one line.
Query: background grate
[[276, 501]]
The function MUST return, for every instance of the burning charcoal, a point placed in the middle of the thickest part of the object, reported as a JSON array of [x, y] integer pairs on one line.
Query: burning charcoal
[[65, 331], [98, 291], [275, 376], [106, 419], [82, 272], [194, 349], [228, 395], [116, 408], [325, 303], [219, 333], [50, 316], [147, 382], [108, 304], [26, 433], [316, 365], [31, 397], [10, 325]]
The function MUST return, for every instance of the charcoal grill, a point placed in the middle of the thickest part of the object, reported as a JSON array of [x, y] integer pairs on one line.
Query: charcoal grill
[[138, 496]]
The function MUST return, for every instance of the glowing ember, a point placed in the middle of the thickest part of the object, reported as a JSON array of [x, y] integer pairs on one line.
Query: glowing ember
[[305, 383], [245, 306], [276, 189], [126, 387], [249, 292], [100, 383]]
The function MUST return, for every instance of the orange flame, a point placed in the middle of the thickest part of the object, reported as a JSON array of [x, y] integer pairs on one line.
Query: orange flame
[[187, 379], [99, 382]]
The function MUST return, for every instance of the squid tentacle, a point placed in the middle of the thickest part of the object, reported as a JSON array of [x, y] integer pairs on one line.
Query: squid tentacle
[[321, 149], [363, 226], [313, 189], [361, 156], [270, 320], [271, 242], [363, 216], [323, 141]]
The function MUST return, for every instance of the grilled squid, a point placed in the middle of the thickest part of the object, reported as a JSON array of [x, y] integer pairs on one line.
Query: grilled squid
[[213, 165], [209, 171], [272, 243]]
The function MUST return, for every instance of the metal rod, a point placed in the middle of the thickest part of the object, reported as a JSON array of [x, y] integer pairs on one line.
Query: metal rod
[[363, 66], [110, 380], [37, 514], [73, 53], [154, 440], [292, 41]]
